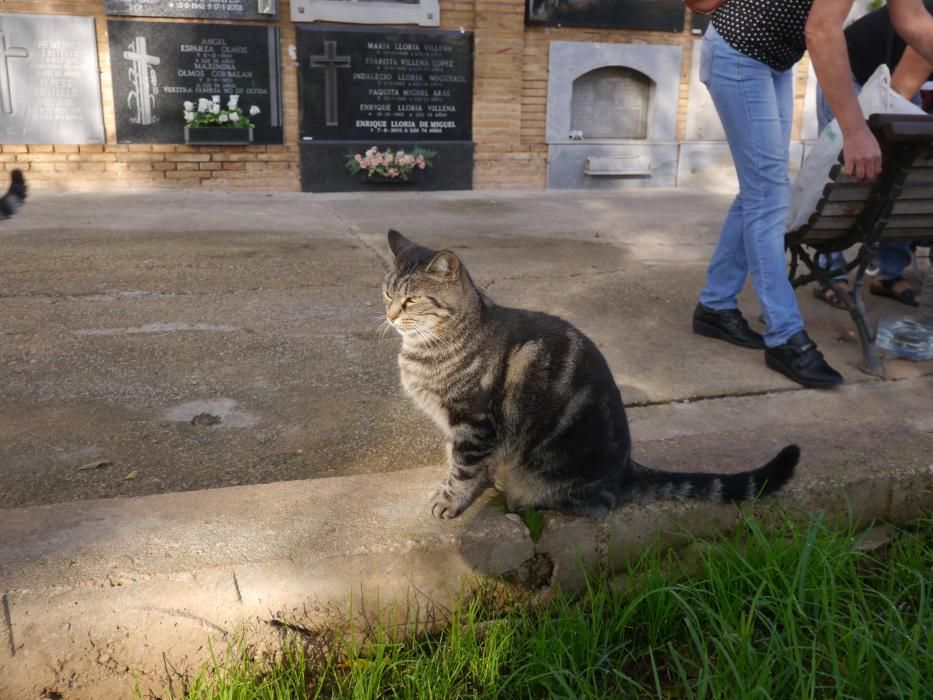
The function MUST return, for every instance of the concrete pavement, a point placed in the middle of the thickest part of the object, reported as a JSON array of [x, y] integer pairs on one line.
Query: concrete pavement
[[126, 315]]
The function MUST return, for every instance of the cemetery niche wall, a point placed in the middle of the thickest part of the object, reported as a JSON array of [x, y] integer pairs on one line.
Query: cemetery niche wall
[[650, 15], [393, 89], [157, 66], [49, 81], [612, 115], [198, 9]]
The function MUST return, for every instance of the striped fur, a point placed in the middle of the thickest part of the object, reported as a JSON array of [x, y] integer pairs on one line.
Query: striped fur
[[526, 402]]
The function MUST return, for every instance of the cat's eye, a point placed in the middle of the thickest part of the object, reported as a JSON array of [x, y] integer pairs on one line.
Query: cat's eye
[[411, 300]]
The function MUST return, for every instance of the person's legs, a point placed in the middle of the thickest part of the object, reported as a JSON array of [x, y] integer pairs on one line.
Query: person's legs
[[892, 259], [834, 261], [754, 103], [726, 273], [728, 268]]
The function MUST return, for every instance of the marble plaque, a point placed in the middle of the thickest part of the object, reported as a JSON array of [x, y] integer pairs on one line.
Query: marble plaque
[[157, 66], [657, 66], [49, 80], [201, 9], [425, 13]]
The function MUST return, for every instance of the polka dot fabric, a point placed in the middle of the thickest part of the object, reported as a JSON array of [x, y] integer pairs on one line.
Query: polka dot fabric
[[770, 31]]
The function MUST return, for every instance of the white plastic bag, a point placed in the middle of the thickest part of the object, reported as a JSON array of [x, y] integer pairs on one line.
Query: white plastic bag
[[876, 97]]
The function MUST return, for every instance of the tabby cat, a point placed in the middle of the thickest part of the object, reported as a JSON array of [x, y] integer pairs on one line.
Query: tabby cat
[[526, 402]]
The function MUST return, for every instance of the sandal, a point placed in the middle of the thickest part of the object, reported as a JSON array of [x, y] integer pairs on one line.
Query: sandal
[[828, 295], [885, 288]]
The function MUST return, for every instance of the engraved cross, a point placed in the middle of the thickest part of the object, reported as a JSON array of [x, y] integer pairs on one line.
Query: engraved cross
[[330, 62], [139, 74], [6, 93]]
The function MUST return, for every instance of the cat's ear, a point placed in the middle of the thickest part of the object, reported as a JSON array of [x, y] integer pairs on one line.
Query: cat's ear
[[445, 264], [397, 241]]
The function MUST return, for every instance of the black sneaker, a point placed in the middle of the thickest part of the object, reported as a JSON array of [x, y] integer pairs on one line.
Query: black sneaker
[[799, 360], [728, 325]]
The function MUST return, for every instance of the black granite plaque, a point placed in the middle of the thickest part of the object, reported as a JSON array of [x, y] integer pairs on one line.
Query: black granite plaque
[[386, 84], [157, 66], [49, 80], [202, 9], [652, 15], [391, 88], [323, 168], [698, 23]]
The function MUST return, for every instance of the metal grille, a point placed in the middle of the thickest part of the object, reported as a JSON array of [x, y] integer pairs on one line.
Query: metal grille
[[611, 103]]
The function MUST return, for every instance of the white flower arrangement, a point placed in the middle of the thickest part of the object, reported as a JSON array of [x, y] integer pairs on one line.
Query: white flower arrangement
[[208, 112]]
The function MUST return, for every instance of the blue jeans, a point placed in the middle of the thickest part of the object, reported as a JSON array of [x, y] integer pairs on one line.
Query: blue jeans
[[755, 104], [893, 256]]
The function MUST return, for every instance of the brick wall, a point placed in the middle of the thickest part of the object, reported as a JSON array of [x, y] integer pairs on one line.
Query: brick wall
[[509, 110], [270, 167]]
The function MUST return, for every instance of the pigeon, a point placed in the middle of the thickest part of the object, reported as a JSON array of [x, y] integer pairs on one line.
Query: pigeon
[[14, 197]]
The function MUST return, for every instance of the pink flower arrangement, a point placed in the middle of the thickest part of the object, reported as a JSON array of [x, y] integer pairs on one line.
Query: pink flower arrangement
[[390, 163]]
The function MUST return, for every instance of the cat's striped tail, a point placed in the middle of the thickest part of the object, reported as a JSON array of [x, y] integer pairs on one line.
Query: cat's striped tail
[[651, 484]]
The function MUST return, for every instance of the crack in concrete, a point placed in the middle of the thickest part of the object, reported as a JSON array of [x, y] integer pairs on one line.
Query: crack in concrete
[[8, 619], [566, 276], [172, 612], [149, 296], [352, 230], [236, 587], [293, 627], [533, 574], [761, 392]]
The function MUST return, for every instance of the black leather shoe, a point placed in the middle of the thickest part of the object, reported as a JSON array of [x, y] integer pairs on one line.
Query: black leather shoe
[[799, 360], [728, 325]]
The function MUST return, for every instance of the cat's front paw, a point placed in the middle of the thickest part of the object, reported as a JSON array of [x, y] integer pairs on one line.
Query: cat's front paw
[[444, 505]]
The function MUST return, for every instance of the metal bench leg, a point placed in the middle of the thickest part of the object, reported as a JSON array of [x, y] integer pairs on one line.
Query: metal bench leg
[[871, 361]]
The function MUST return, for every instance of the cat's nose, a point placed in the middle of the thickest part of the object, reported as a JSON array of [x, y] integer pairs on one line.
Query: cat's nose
[[393, 312]]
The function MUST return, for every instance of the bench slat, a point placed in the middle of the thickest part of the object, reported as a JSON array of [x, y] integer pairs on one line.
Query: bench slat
[[906, 234], [832, 223], [847, 192], [859, 193], [903, 127], [822, 236], [908, 221], [844, 208], [917, 206], [919, 177]]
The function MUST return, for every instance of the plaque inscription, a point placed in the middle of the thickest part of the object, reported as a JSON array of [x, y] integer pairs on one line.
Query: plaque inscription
[[158, 66], [203, 9], [49, 81], [386, 85]]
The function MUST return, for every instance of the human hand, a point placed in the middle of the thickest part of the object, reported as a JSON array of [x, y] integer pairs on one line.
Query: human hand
[[861, 153]]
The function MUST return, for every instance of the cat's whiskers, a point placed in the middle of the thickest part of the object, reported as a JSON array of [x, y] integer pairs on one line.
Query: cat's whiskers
[[436, 340], [427, 337], [383, 328]]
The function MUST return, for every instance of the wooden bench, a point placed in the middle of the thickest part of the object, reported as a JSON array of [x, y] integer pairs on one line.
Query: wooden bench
[[897, 206]]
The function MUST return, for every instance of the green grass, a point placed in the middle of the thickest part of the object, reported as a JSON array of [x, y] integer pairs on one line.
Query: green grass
[[534, 522], [799, 613]]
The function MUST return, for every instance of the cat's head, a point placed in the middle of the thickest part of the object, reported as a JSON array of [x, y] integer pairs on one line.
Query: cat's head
[[427, 292]]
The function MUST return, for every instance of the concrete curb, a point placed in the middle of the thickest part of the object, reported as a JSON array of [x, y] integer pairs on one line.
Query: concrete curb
[[100, 597]]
